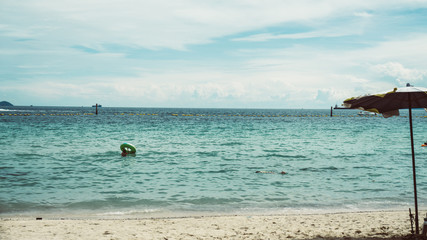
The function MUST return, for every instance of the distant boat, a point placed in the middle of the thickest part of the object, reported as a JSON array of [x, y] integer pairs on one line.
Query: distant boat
[[99, 105], [366, 113]]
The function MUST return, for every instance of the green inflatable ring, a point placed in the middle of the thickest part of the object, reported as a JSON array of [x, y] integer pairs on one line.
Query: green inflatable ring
[[129, 148]]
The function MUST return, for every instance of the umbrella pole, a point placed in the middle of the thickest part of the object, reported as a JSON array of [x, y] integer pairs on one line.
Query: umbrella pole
[[417, 231]]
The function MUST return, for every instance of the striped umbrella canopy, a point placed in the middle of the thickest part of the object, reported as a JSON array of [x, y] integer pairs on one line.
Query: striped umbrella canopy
[[388, 104]]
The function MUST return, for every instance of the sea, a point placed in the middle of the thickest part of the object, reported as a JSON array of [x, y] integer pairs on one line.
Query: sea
[[64, 161]]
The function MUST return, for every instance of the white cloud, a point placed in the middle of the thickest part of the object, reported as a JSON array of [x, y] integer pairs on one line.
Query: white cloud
[[291, 78], [363, 14], [269, 36], [398, 71], [346, 71], [161, 23]]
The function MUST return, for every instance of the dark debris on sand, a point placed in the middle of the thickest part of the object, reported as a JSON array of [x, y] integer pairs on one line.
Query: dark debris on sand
[[406, 237]]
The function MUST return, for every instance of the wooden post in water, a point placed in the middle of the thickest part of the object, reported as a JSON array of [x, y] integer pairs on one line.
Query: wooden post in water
[[331, 111], [96, 110]]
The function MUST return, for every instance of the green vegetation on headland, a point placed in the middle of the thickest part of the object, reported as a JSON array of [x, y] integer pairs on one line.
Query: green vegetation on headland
[[6, 104]]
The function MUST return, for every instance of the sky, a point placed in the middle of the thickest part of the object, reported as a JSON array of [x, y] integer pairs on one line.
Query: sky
[[208, 53]]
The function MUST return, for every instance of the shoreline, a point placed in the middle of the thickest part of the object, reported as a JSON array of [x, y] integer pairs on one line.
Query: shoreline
[[354, 225], [132, 214]]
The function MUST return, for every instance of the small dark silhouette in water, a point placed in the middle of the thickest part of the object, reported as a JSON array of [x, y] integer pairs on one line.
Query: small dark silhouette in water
[[124, 153], [271, 172]]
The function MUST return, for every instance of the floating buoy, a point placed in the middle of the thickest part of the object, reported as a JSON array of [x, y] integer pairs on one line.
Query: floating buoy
[[424, 145], [128, 148]]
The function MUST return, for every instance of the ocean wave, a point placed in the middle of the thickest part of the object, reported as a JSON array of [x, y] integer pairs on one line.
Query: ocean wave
[[7, 110], [321, 169], [232, 144]]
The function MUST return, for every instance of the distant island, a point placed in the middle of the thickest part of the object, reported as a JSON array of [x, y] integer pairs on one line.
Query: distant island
[[6, 104]]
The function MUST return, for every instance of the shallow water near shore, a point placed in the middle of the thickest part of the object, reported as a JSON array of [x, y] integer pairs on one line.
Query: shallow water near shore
[[67, 159]]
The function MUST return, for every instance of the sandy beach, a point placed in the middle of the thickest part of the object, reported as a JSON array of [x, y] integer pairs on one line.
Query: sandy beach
[[357, 225]]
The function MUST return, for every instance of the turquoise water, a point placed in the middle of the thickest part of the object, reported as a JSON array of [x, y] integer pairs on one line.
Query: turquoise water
[[59, 159]]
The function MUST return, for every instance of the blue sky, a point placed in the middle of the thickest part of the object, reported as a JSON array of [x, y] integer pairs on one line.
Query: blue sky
[[208, 53]]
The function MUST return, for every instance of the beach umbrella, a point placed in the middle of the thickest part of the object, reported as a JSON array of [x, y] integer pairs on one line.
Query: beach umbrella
[[388, 104]]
